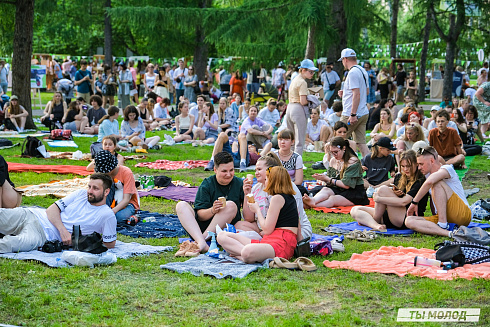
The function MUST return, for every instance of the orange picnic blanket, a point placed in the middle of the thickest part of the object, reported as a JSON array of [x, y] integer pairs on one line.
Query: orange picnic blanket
[[345, 210], [16, 167], [399, 261]]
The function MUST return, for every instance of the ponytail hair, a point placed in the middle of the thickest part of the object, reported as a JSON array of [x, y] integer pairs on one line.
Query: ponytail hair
[[339, 142], [271, 160], [110, 112]]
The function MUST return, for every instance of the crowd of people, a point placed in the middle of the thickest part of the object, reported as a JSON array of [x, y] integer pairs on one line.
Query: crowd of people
[[408, 157]]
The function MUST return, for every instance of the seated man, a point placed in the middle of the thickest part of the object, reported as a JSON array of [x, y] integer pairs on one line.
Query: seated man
[[241, 156], [124, 202], [256, 130], [26, 229], [447, 196], [446, 141], [270, 114], [208, 210]]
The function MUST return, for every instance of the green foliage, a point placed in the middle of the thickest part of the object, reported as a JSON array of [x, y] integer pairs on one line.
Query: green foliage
[[7, 20]]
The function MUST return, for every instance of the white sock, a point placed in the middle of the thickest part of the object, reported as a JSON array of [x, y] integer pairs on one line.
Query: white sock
[[212, 159], [442, 225], [243, 161]]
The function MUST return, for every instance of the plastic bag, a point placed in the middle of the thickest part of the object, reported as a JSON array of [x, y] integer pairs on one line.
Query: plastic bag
[[85, 259], [78, 155]]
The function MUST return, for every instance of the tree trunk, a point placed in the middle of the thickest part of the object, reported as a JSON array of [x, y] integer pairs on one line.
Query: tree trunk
[[340, 42], [107, 35], [447, 90], [201, 50], [423, 56], [394, 27], [22, 52], [310, 44]]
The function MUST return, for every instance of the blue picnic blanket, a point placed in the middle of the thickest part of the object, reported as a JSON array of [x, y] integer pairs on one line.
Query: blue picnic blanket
[[219, 268], [347, 227], [163, 226]]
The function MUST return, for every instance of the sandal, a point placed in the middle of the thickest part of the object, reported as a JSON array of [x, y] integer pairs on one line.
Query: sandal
[[279, 263], [193, 250], [305, 264], [353, 235], [367, 236], [184, 247]]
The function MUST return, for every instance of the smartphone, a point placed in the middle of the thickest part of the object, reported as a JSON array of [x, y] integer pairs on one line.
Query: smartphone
[[394, 186]]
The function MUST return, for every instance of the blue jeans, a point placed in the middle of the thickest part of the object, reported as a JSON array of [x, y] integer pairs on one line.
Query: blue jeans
[[236, 155], [255, 88], [123, 214]]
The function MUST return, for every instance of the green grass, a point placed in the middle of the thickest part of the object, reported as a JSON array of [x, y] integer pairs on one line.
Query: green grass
[[136, 292]]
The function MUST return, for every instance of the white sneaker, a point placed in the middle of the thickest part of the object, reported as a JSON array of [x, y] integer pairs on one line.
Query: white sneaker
[[337, 245], [370, 191]]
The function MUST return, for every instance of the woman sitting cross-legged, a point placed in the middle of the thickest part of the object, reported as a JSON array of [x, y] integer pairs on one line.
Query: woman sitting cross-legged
[[133, 130], [280, 229], [391, 203], [345, 186], [74, 118]]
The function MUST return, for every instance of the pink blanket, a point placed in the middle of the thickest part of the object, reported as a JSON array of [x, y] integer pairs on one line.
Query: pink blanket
[[173, 165], [399, 260]]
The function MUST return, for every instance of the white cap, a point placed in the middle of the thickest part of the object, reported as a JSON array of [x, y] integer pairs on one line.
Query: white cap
[[436, 108], [347, 53]]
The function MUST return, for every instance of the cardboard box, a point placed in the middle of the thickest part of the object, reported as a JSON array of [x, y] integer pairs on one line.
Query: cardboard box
[[317, 90]]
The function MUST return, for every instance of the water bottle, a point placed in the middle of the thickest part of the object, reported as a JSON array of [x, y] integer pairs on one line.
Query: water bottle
[[149, 219]]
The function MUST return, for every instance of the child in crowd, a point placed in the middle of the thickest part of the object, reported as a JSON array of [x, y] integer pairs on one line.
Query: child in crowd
[[337, 113], [108, 143], [183, 124], [379, 163], [317, 130]]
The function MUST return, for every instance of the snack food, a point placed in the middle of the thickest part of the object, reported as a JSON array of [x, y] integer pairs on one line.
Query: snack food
[[250, 198], [250, 177], [223, 200]]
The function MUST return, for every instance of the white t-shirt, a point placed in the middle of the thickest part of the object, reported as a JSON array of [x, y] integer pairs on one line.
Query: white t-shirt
[[471, 92], [160, 112], [194, 111], [355, 80], [76, 210], [454, 184], [314, 131], [270, 117], [263, 200], [332, 119], [329, 78]]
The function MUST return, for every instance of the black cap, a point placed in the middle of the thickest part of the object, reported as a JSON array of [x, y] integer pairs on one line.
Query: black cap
[[385, 142]]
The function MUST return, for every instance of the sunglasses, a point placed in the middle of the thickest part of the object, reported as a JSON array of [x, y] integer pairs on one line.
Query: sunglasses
[[422, 151]]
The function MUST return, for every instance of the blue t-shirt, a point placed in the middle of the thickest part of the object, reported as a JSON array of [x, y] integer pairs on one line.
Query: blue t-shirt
[[108, 128], [84, 87]]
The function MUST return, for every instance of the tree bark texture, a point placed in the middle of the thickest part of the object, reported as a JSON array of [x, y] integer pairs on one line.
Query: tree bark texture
[[340, 42], [423, 56], [22, 52], [107, 34], [310, 44], [394, 27], [201, 50]]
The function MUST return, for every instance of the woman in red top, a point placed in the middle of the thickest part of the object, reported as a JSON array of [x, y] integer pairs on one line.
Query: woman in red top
[[237, 84]]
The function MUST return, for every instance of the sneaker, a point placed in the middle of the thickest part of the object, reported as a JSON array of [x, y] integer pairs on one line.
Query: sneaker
[[337, 245], [156, 147], [209, 166], [318, 165], [243, 167], [370, 191]]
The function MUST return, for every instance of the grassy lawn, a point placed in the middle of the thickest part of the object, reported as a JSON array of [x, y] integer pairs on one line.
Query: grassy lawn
[[136, 292]]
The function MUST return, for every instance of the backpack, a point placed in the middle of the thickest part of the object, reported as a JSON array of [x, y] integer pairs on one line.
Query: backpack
[[29, 147], [87, 243], [5, 142], [462, 252]]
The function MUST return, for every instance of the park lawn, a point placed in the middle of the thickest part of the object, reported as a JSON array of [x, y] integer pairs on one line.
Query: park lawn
[[136, 292]]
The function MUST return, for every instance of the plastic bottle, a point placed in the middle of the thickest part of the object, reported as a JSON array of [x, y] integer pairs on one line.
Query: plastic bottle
[[421, 261], [149, 219], [230, 228], [213, 248]]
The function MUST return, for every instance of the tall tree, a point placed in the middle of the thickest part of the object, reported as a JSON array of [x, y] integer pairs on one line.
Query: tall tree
[[107, 34], [395, 5], [456, 25], [423, 56]]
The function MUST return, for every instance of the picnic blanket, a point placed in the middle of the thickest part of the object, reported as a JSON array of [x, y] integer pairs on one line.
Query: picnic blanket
[[62, 144], [219, 268], [176, 193], [57, 188], [399, 261], [173, 165], [163, 226], [346, 210], [344, 228], [17, 167], [122, 250]]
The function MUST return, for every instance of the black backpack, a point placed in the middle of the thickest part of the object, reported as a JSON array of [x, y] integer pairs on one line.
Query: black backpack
[[87, 243], [462, 252], [5, 142], [29, 147]]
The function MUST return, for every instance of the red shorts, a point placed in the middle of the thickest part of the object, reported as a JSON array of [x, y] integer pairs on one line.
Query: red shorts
[[282, 240]]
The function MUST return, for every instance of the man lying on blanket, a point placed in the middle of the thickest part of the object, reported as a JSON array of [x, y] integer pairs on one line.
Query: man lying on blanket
[[447, 196], [26, 229], [218, 201]]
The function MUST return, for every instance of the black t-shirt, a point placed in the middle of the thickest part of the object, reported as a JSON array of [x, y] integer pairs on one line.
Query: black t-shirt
[[70, 116], [413, 191], [374, 117], [378, 168], [4, 172], [400, 78], [95, 115], [288, 216]]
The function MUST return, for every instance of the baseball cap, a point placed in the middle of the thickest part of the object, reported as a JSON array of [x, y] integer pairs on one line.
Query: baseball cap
[[436, 108], [308, 64], [105, 162], [385, 142], [347, 53], [14, 97]]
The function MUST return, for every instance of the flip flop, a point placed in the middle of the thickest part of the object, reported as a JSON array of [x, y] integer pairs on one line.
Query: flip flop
[[353, 235], [305, 264], [367, 236], [282, 263]]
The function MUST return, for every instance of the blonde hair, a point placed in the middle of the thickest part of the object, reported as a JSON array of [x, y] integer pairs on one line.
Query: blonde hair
[[405, 183], [271, 160], [416, 128], [278, 181]]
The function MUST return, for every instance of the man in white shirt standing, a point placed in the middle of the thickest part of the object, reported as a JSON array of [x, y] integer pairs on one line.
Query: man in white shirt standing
[[447, 196], [179, 75], [354, 96]]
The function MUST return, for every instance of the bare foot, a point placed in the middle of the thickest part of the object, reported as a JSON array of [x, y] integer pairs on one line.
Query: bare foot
[[381, 228], [203, 247], [463, 166], [308, 201]]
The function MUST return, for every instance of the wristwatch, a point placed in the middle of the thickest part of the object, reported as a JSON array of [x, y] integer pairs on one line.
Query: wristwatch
[[416, 203], [353, 115]]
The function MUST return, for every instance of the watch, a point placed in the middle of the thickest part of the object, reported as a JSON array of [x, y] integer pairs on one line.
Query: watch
[[413, 202], [353, 115]]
